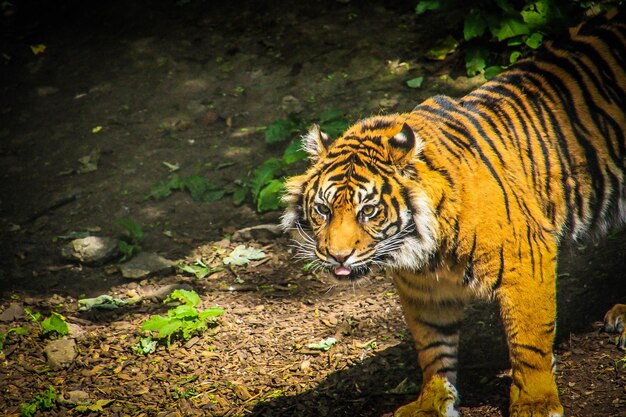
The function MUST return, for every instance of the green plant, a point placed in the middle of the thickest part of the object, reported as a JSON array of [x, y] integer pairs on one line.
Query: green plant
[[42, 401], [182, 321], [198, 186], [134, 233], [499, 32], [199, 269], [55, 323], [265, 185]]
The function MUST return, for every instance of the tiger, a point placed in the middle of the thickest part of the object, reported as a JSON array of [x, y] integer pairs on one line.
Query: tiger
[[472, 197]]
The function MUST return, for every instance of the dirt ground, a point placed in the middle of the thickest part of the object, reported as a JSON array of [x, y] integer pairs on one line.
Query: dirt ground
[[192, 83]]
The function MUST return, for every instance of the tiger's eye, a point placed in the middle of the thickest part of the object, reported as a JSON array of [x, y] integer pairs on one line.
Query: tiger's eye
[[322, 209], [368, 211]]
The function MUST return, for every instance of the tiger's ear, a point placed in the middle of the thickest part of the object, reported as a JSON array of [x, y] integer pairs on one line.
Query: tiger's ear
[[404, 146], [316, 143]]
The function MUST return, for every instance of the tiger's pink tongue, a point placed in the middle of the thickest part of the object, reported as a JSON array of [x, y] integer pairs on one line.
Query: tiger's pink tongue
[[342, 270]]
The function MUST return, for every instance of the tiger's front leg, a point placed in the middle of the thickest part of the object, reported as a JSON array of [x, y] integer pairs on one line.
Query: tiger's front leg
[[433, 310], [528, 307]]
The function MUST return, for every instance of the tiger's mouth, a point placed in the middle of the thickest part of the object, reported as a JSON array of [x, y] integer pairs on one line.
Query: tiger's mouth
[[347, 273]]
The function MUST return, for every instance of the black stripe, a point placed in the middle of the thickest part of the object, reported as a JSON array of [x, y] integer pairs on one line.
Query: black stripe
[[529, 348], [449, 329], [498, 282]]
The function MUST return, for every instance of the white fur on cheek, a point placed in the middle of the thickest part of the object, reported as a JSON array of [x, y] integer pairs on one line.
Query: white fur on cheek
[[418, 248]]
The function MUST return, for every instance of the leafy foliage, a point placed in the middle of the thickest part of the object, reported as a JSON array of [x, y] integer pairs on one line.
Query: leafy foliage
[[265, 184], [54, 324], [499, 32], [199, 188], [42, 401], [199, 269], [182, 321], [130, 246]]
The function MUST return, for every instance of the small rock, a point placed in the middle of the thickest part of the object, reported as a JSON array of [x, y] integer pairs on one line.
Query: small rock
[[144, 264], [77, 397], [13, 312], [91, 249], [260, 232], [60, 353], [76, 331]]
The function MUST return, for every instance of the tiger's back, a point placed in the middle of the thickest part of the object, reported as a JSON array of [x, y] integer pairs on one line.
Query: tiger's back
[[472, 196]]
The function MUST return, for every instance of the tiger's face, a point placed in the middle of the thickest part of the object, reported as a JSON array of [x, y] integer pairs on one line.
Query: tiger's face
[[360, 204]]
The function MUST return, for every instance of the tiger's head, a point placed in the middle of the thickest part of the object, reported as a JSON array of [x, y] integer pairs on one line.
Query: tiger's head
[[360, 204]]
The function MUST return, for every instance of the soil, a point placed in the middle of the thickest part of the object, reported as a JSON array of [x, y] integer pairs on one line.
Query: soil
[[191, 83]]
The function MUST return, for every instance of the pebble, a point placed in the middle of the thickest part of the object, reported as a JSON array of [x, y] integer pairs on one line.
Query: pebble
[[144, 264], [60, 353], [12, 312], [91, 249]]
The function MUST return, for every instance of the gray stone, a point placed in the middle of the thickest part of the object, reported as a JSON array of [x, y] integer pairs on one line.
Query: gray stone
[[13, 312], [77, 397], [260, 232], [60, 353], [91, 249], [145, 264]]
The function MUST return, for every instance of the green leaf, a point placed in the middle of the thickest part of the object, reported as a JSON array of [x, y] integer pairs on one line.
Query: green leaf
[[264, 174], [210, 313], [183, 312], [197, 185], [536, 14], [154, 323], [509, 27], [492, 71], [442, 48], [475, 60], [128, 250], [280, 130], [190, 298], [334, 128], [55, 323], [242, 254], [474, 25], [270, 196], [534, 41], [159, 190], [425, 5], [415, 82], [145, 346], [95, 407], [324, 344], [176, 183], [515, 55], [294, 152], [239, 195], [132, 228], [169, 328]]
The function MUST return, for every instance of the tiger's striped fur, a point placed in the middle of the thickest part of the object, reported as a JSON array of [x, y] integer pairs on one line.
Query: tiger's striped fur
[[471, 197]]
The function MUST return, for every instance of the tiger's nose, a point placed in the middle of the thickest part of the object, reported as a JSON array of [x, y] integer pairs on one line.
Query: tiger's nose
[[341, 257]]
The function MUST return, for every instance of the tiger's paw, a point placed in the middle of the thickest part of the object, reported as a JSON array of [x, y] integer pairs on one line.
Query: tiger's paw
[[615, 321], [546, 406], [437, 399]]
